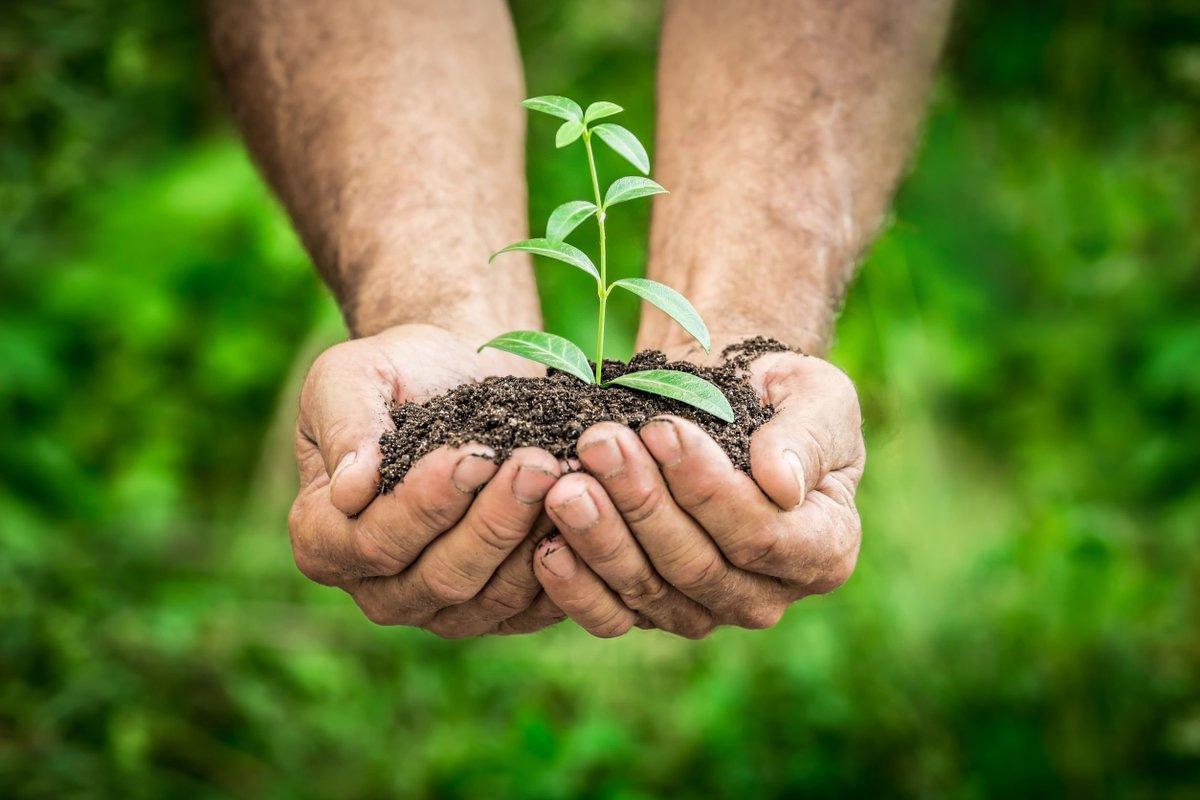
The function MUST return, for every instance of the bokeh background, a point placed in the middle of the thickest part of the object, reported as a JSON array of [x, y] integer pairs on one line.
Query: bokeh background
[[1025, 336]]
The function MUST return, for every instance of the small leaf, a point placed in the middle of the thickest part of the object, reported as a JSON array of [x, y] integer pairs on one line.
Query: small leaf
[[681, 386], [567, 217], [675, 305], [555, 106], [545, 348], [631, 189], [568, 132], [599, 110], [625, 144], [560, 251]]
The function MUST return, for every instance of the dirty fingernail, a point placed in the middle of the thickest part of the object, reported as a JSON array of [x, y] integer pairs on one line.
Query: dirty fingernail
[[662, 440], [603, 458], [559, 560], [471, 472], [579, 512], [793, 460], [530, 484]]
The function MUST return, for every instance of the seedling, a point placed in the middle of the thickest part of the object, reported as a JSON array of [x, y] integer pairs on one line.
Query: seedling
[[563, 354]]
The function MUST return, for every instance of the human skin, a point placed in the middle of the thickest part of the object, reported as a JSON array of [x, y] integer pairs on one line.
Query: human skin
[[382, 125], [783, 126]]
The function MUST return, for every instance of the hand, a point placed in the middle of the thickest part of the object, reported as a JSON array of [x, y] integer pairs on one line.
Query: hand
[[664, 532], [448, 549]]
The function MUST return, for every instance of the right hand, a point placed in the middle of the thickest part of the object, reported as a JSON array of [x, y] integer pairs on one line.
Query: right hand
[[449, 549]]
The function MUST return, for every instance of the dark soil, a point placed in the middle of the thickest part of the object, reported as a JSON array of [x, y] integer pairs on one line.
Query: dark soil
[[506, 413]]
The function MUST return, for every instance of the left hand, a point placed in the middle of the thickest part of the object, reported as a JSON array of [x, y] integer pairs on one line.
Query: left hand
[[663, 531]]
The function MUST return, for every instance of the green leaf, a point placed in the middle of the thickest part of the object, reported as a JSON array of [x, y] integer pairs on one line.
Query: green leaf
[[567, 217], [631, 189], [568, 132], [560, 251], [599, 110], [675, 305], [545, 348], [681, 386], [555, 106], [625, 144]]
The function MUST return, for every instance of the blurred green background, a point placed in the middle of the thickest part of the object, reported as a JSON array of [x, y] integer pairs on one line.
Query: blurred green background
[[1025, 336]]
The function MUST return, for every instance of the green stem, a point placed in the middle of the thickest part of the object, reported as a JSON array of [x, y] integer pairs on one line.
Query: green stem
[[602, 288]]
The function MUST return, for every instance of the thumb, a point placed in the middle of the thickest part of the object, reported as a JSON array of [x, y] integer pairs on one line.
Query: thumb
[[344, 416]]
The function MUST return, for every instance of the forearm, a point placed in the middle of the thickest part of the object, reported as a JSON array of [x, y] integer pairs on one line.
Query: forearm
[[392, 132], [783, 128]]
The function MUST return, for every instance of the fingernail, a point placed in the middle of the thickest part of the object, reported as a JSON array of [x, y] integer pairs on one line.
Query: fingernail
[[793, 460], [559, 560], [662, 440], [579, 512], [472, 472], [603, 458], [530, 484]]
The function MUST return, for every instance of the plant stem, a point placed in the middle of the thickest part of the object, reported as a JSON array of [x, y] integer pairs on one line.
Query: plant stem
[[602, 288]]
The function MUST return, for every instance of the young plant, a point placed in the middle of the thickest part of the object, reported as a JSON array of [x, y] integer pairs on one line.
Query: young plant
[[563, 354]]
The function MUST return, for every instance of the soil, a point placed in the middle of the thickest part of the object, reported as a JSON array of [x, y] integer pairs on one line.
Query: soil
[[505, 413]]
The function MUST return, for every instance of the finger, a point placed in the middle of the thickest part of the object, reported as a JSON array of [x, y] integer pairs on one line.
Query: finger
[[743, 522], [678, 549], [817, 428], [343, 412], [331, 548], [457, 565], [435, 495], [324, 540], [595, 531], [510, 592], [542, 613], [578, 592]]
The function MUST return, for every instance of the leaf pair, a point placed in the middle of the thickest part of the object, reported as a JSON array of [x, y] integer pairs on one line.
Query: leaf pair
[[577, 121], [563, 355], [671, 302], [570, 215]]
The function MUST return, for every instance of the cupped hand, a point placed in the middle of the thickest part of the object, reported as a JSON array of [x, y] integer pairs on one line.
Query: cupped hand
[[449, 549], [663, 531]]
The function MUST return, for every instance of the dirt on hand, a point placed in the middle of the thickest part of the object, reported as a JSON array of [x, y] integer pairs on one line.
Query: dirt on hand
[[505, 413]]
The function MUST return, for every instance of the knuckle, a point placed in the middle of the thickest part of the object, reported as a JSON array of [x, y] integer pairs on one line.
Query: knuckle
[[498, 532], [377, 612], [696, 627], [645, 590], [760, 617], [377, 558], [445, 629], [504, 601], [700, 572], [434, 515], [758, 547], [311, 566], [640, 504], [444, 588], [697, 495], [616, 623]]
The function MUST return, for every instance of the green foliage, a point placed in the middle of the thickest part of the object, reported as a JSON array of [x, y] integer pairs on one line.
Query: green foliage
[[545, 348], [559, 251], [624, 144], [567, 218], [681, 386], [600, 110], [689, 389], [624, 189], [1023, 337], [556, 106], [671, 302]]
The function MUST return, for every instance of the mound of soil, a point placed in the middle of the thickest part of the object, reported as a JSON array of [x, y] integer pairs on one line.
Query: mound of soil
[[505, 413]]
